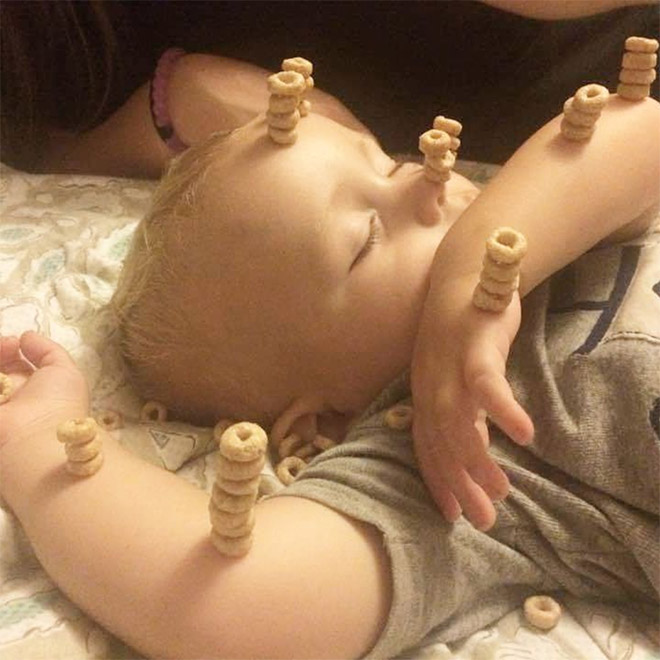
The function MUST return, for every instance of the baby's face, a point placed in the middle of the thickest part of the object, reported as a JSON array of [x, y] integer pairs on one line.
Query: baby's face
[[332, 241]]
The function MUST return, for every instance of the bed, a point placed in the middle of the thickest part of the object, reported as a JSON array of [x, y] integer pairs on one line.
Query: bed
[[62, 241]]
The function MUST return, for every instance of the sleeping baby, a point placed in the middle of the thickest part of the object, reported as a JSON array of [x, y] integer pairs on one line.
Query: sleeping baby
[[310, 285]]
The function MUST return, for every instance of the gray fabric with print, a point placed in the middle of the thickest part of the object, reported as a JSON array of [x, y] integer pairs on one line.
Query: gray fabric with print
[[582, 515]]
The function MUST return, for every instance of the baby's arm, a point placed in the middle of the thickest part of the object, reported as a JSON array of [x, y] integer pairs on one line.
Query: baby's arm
[[206, 93], [130, 544], [565, 197]]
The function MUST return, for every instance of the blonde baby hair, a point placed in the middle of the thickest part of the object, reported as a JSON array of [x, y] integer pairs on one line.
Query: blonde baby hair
[[155, 331], [191, 334]]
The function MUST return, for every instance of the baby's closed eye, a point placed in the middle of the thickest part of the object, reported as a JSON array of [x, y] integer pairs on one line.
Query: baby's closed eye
[[374, 235]]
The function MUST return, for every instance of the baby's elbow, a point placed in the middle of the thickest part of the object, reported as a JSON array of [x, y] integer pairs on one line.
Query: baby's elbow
[[650, 120]]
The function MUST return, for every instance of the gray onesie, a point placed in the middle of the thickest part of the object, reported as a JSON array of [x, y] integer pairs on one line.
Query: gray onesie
[[582, 515]]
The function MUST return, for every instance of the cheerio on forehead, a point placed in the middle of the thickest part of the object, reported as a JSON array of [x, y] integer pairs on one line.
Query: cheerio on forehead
[[287, 103]]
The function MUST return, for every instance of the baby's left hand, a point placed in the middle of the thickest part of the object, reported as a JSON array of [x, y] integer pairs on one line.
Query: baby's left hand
[[458, 377], [47, 387]]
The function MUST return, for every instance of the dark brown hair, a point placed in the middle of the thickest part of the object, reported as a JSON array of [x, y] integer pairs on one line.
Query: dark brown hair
[[57, 61]]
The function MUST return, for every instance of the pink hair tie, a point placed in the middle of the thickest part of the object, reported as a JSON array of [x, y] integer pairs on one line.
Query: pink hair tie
[[160, 115]]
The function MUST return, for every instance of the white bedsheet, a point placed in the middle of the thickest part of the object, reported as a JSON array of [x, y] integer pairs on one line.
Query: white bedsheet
[[62, 240]]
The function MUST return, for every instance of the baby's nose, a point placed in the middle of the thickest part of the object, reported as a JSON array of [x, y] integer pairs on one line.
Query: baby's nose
[[419, 197]]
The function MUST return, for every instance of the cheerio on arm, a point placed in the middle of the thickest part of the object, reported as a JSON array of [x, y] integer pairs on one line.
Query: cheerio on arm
[[564, 196]]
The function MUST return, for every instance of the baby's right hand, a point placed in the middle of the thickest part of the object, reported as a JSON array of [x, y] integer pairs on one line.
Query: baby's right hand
[[458, 377], [46, 387]]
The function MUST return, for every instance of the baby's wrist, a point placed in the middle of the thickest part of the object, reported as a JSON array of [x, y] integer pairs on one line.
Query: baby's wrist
[[17, 431], [29, 460], [20, 452], [453, 291]]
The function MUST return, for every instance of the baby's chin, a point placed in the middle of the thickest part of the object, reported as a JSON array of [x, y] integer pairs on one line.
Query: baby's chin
[[459, 194], [459, 186]]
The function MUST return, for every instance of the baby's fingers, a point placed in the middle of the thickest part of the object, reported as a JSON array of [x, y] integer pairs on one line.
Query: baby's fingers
[[9, 353], [454, 492], [44, 352], [477, 505], [493, 393], [464, 478]]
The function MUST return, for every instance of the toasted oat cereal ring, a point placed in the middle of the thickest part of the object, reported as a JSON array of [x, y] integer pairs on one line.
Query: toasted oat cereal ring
[[77, 431], [281, 136], [575, 133], [85, 468], [499, 288], [434, 142], [489, 302], [449, 126], [299, 64], [79, 453], [639, 60], [305, 107], [152, 411], [323, 444], [499, 272], [231, 547], [306, 451], [590, 112], [289, 468], [454, 143], [243, 442], [399, 417], [579, 117], [242, 487], [229, 503], [309, 83], [542, 612], [221, 520], [220, 427], [506, 245], [246, 530], [436, 176], [511, 273], [591, 98], [441, 162], [238, 525], [289, 445], [286, 83], [5, 387], [633, 92], [110, 420], [238, 471], [641, 45], [637, 76], [284, 120], [281, 104], [235, 532]]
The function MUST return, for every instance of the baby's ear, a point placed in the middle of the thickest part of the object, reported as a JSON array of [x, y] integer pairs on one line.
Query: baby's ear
[[306, 427], [301, 417], [309, 418], [334, 425]]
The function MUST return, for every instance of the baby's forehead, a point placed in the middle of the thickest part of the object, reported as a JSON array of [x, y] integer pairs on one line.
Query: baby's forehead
[[317, 135], [255, 213], [266, 198]]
